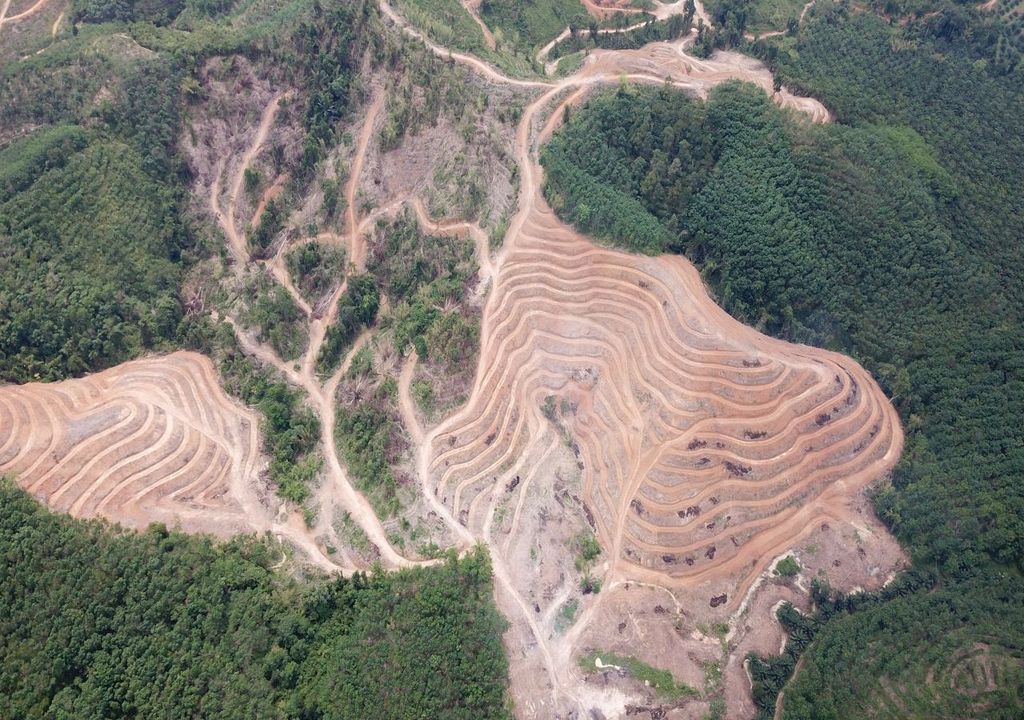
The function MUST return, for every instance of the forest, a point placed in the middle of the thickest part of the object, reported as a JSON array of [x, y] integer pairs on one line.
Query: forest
[[70, 300], [892, 235], [99, 623]]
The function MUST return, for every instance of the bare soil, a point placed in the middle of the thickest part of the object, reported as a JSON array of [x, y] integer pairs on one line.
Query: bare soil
[[153, 440]]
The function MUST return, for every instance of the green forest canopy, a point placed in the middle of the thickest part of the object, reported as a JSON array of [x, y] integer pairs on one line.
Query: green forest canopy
[[95, 623]]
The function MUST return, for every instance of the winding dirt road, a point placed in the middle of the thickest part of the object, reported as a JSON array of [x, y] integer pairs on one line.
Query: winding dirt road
[[473, 8], [6, 19], [549, 67], [321, 394]]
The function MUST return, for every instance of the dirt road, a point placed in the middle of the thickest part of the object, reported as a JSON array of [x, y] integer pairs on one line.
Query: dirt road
[[7, 19], [473, 8]]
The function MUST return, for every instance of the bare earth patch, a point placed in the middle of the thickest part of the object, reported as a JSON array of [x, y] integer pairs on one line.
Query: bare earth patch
[[154, 439]]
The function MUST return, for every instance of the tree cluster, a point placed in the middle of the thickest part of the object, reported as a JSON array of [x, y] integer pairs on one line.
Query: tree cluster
[[95, 623]]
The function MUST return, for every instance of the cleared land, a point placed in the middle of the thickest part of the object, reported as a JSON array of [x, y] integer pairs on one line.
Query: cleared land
[[615, 397], [150, 440]]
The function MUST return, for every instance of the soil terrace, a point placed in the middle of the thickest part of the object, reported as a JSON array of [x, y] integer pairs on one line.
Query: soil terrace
[[153, 440]]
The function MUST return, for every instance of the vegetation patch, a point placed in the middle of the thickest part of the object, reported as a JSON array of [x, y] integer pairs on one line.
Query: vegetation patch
[[653, 31], [528, 24], [278, 320], [357, 309], [787, 567], [661, 681], [316, 269], [91, 253], [447, 22], [151, 621], [370, 437], [566, 614]]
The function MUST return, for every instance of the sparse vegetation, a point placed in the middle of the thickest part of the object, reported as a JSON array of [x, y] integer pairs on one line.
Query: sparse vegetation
[[270, 224], [329, 47], [276, 316], [660, 680], [290, 432], [528, 24], [316, 268], [425, 278]]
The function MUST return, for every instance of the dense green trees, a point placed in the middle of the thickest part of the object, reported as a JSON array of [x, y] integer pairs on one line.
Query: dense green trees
[[357, 308], [90, 255], [99, 624], [91, 235], [913, 649]]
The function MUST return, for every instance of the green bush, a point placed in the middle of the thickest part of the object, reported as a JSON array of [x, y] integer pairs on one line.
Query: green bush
[[787, 567], [660, 680], [357, 308]]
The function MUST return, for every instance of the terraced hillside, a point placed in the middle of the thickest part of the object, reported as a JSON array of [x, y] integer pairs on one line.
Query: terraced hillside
[[614, 397], [153, 440], [704, 448], [150, 439]]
